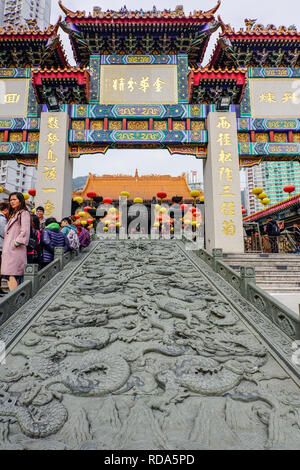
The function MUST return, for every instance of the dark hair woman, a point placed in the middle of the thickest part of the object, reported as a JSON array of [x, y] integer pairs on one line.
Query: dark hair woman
[[16, 238]]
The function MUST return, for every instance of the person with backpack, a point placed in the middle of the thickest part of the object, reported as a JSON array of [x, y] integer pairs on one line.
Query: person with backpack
[[70, 231], [33, 247], [84, 236], [273, 232], [16, 238], [50, 239]]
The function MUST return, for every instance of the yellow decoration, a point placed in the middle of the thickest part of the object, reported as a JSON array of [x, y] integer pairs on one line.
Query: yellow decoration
[[266, 201], [1, 189], [157, 207], [78, 199], [105, 229], [156, 224], [163, 210], [107, 222], [84, 222], [202, 199], [195, 194], [257, 191], [26, 196], [262, 196], [172, 229], [82, 214], [138, 200], [125, 194], [194, 224], [118, 224], [33, 211], [112, 210]]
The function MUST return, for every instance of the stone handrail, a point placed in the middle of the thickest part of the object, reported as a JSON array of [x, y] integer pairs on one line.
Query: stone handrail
[[34, 280], [283, 317]]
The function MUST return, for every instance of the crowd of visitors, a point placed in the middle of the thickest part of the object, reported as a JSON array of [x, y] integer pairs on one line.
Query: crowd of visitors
[[30, 238]]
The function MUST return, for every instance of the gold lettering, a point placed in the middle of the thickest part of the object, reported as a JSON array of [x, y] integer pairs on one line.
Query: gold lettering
[[267, 98], [224, 139], [130, 84], [52, 139], [228, 209], [50, 173], [229, 228], [225, 157], [11, 98], [226, 191], [53, 123], [227, 172], [144, 84], [51, 157], [289, 96], [158, 85], [49, 208], [223, 123]]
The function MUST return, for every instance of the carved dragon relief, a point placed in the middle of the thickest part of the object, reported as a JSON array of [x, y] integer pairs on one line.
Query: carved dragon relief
[[139, 351]]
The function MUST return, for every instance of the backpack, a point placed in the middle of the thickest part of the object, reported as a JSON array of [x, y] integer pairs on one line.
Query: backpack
[[275, 230], [73, 240], [33, 241], [85, 238]]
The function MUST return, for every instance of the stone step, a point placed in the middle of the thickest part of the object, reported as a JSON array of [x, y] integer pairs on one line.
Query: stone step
[[262, 255], [295, 270]]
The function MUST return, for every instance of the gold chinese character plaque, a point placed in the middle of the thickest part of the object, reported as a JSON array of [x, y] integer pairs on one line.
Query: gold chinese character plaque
[[139, 84]]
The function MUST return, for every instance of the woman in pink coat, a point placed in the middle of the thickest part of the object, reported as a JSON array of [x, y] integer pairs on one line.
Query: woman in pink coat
[[16, 238]]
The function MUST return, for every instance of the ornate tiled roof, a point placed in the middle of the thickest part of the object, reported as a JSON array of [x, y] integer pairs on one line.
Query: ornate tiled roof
[[257, 46], [154, 14], [66, 84], [274, 209], [208, 85], [29, 46], [145, 186]]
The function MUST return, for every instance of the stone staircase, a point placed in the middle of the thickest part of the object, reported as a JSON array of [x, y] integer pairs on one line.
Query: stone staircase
[[274, 272]]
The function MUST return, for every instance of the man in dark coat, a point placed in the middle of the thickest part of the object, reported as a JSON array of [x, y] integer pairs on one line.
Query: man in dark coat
[[52, 238], [273, 232]]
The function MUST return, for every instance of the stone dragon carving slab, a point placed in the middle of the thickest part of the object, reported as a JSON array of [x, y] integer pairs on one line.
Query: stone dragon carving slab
[[141, 351]]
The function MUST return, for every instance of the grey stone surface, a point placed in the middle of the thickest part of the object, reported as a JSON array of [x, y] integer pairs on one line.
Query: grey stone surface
[[141, 349]]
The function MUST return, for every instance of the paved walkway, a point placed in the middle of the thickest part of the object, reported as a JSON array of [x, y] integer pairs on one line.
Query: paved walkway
[[146, 348]]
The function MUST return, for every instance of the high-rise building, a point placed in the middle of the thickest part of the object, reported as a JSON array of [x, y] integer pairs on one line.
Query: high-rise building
[[193, 180], [16, 177], [2, 2], [16, 12], [272, 178]]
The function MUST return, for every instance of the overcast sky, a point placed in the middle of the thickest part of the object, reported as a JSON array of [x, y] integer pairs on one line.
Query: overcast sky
[[277, 12]]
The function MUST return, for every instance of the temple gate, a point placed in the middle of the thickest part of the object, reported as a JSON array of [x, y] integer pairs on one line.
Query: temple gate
[[138, 84]]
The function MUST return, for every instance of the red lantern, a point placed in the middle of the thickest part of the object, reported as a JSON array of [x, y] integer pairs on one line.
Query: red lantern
[[160, 219], [193, 209], [107, 200], [87, 208], [77, 216], [90, 221], [162, 195], [111, 226], [289, 189], [184, 207], [91, 194], [244, 211], [32, 192], [197, 214]]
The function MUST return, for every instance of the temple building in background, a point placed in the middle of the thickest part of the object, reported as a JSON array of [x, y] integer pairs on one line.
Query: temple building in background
[[145, 186], [272, 178], [18, 12]]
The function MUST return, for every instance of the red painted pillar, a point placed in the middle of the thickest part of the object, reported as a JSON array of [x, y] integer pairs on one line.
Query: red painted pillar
[[271, 136], [105, 124], [87, 124], [252, 136], [124, 124], [170, 124], [6, 135], [188, 124], [290, 136], [151, 124]]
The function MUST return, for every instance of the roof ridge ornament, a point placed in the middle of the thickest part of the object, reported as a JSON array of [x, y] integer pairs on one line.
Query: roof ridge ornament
[[68, 12], [214, 10]]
